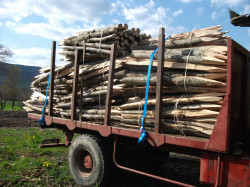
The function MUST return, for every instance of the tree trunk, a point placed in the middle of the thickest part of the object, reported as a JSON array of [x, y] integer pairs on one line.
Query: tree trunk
[[13, 103]]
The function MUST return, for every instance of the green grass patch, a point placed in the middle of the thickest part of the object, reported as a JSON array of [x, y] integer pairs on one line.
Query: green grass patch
[[23, 163], [8, 106]]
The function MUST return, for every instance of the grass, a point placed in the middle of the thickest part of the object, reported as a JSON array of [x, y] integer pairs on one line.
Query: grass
[[23, 163], [8, 106]]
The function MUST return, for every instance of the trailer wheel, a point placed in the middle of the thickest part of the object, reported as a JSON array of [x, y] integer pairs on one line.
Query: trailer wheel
[[87, 162]]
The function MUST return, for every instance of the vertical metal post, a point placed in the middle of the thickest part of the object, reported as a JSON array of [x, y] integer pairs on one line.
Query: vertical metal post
[[80, 105], [75, 85], [159, 83], [52, 71], [110, 84], [217, 182]]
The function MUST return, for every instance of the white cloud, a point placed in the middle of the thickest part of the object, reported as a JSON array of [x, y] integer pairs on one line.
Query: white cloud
[[57, 14], [230, 3], [116, 21], [33, 57], [1, 24], [189, 1], [52, 30], [214, 15], [174, 30], [200, 11], [177, 13], [148, 18], [246, 9], [87, 11]]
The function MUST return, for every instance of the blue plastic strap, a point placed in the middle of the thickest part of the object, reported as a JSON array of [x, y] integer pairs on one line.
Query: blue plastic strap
[[142, 129], [42, 120]]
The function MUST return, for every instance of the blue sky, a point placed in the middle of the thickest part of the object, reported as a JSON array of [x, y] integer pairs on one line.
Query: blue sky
[[29, 26]]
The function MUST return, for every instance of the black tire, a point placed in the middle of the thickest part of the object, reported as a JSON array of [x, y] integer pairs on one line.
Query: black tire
[[89, 164]]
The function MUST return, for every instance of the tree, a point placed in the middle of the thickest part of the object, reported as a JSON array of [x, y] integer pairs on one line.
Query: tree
[[10, 87], [24, 94], [2, 99], [5, 53]]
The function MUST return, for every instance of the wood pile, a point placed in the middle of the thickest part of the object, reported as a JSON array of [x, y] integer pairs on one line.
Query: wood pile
[[195, 73], [98, 42]]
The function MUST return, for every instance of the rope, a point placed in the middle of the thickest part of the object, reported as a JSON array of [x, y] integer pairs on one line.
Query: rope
[[176, 119], [42, 120], [142, 129], [100, 44]]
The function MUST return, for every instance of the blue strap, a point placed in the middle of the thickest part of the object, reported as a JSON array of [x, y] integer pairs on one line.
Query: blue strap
[[142, 129], [42, 120]]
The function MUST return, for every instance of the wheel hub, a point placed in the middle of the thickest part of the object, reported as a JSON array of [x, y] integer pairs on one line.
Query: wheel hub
[[88, 161]]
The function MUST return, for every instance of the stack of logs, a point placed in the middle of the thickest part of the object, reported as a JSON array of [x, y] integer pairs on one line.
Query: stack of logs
[[98, 42], [195, 72]]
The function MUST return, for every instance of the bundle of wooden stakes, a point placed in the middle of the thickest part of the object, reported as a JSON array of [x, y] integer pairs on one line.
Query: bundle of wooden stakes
[[98, 42], [195, 72]]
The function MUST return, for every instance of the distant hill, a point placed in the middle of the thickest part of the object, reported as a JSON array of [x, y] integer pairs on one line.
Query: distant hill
[[27, 73]]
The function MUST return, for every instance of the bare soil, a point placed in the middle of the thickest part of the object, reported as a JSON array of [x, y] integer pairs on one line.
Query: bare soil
[[16, 119]]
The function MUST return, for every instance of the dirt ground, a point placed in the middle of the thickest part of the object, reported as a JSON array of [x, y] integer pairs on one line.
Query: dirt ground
[[10, 119]]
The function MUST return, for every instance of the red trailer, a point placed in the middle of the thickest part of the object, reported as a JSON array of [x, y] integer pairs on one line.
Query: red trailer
[[225, 156]]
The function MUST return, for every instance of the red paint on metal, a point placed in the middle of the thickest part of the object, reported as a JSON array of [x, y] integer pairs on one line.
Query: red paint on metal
[[218, 171], [48, 120], [235, 170], [104, 130], [88, 161], [156, 139], [186, 142], [218, 139]]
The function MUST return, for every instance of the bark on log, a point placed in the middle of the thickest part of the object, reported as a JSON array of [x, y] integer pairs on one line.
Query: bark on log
[[174, 65], [201, 98]]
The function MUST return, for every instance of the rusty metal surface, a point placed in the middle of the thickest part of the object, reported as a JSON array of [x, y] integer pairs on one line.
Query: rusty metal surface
[[154, 139], [232, 170], [110, 85], [144, 173], [52, 72], [159, 83], [75, 85], [68, 137], [232, 119], [52, 145]]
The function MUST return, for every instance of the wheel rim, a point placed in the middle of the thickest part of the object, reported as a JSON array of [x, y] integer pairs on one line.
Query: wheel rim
[[84, 162]]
